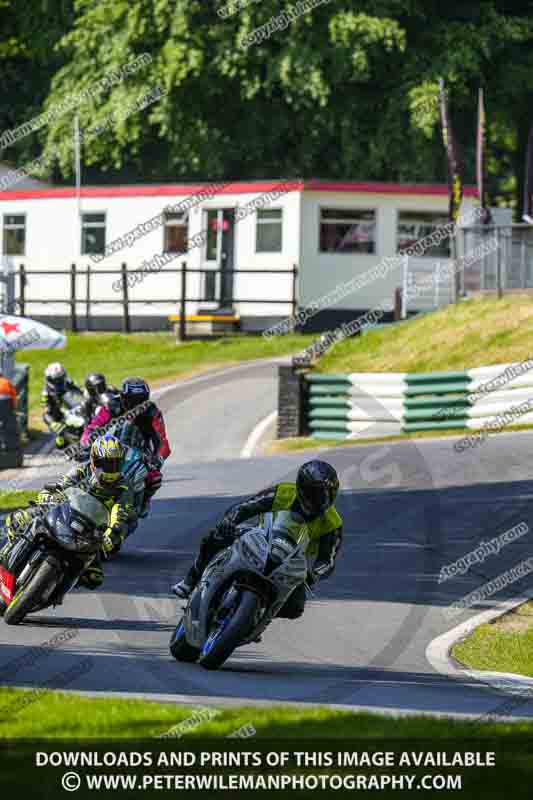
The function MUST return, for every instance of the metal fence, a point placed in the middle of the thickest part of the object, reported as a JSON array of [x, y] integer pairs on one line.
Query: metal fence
[[509, 268], [74, 299]]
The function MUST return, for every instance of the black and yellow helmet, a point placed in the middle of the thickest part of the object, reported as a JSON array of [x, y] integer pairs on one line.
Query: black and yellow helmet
[[107, 459]]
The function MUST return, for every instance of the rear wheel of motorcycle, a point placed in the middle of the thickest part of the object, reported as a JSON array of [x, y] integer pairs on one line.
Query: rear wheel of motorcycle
[[30, 595], [180, 647], [232, 633]]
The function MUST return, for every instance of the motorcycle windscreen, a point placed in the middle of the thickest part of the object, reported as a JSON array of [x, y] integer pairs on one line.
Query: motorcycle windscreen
[[78, 523]]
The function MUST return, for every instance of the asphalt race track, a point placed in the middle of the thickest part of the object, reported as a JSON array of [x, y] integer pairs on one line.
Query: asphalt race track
[[409, 509]]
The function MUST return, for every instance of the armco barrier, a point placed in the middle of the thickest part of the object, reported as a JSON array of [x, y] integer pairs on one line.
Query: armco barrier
[[379, 404]]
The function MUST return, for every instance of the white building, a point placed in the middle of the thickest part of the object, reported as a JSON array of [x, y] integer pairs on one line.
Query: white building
[[333, 231]]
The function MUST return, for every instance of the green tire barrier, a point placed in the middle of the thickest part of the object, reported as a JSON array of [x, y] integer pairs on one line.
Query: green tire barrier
[[376, 404]]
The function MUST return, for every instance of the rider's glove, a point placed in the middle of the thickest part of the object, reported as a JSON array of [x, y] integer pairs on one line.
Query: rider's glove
[[112, 539], [16, 522], [56, 427]]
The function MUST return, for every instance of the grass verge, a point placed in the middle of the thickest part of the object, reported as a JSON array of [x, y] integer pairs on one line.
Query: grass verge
[[505, 645], [19, 498], [473, 333], [44, 714]]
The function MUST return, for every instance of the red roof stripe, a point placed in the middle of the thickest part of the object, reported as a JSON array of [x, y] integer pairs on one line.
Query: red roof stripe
[[384, 188], [172, 190]]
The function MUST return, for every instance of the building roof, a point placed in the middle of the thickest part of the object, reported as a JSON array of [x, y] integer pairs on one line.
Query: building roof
[[43, 191]]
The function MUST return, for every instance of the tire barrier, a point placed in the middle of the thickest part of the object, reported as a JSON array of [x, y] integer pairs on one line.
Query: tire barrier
[[346, 406]]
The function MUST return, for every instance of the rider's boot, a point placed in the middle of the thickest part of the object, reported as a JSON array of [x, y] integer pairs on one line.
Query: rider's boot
[[185, 588]]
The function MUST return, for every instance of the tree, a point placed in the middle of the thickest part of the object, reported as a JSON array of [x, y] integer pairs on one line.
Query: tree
[[346, 90]]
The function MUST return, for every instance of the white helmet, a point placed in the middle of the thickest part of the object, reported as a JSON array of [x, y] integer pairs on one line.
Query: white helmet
[[56, 376]]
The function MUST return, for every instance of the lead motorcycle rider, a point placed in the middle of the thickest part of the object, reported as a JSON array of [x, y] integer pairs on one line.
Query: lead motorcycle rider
[[313, 498], [101, 477]]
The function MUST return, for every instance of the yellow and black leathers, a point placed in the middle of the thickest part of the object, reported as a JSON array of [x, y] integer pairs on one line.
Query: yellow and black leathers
[[117, 499]]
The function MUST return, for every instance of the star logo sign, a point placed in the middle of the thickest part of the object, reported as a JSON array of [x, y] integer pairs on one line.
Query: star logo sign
[[10, 327]]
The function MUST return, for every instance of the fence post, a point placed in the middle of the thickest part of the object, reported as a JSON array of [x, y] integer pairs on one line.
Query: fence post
[[398, 304], [405, 286], [126, 325], [436, 296], [73, 320], [183, 304], [294, 290], [88, 299], [22, 298], [499, 267]]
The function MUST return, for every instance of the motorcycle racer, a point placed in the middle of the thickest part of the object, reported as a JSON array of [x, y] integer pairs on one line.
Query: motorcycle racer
[[101, 477], [136, 406], [56, 385], [95, 388], [313, 497]]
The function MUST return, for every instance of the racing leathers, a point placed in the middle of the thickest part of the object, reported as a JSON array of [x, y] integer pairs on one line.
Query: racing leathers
[[325, 533], [117, 499], [52, 401], [148, 420]]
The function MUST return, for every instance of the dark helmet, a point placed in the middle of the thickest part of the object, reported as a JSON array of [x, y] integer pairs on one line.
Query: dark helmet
[[317, 485], [111, 400], [134, 392], [107, 460], [56, 377], [95, 383]]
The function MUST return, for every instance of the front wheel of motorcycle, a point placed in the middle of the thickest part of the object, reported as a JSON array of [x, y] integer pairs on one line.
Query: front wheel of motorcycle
[[30, 594], [225, 637], [180, 647]]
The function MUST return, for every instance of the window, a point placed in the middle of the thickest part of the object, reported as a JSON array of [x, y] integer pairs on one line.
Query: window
[[269, 230], [415, 225], [14, 234], [347, 230], [92, 234], [175, 232]]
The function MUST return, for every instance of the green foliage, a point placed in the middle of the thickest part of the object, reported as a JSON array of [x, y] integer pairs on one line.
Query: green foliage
[[342, 91]]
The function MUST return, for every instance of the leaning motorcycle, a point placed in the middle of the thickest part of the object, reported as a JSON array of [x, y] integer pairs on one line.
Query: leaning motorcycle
[[241, 591], [46, 561], [73, 424]]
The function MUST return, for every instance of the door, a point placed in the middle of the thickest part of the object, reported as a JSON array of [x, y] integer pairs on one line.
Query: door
[[219, 256]]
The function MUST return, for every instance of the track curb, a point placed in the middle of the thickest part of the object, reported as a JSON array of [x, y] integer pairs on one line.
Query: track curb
[[438, 652]]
